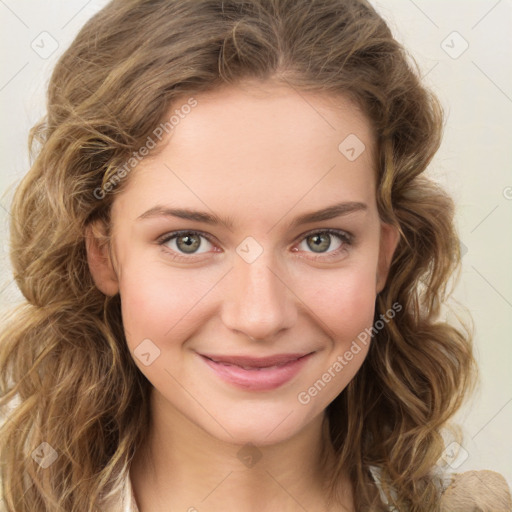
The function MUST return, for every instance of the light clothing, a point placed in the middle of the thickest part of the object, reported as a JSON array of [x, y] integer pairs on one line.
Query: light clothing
[[471, 491], [128, 500]]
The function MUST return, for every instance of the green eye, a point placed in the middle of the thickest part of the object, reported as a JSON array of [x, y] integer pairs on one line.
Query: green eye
[[183, 243], [187, 242], [319, 242]]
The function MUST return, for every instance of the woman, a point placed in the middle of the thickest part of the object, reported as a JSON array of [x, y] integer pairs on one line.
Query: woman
[[234, 268]]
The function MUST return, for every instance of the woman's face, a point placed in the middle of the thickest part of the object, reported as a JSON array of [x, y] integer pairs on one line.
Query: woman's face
[[248, 323]]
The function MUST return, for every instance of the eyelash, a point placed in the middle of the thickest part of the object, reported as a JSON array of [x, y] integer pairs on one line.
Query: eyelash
[[345, 237]]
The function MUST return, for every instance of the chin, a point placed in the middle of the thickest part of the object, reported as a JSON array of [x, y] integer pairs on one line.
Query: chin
[[260, 427], [257, 435]]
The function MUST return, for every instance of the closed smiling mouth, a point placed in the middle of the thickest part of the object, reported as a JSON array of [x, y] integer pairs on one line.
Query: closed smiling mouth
[[256, 373], [256, 363]]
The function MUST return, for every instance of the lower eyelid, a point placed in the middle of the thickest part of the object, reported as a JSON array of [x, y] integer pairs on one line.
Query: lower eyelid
[[346, 242]]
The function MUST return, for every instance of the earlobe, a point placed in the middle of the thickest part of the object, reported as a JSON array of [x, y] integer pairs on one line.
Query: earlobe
[[99, 258], [389, 238]]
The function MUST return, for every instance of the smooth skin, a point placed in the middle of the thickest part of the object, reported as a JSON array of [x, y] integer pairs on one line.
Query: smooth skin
[[260, 155]]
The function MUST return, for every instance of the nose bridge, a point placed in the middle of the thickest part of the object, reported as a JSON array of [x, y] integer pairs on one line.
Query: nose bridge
[[258, 303]]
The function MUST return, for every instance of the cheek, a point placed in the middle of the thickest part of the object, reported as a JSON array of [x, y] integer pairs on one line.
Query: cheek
[[157, 303], [344, 305], [345, 301], [158, 300]]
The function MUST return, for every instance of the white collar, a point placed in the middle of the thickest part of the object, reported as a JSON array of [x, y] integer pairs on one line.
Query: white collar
[[128, 498]]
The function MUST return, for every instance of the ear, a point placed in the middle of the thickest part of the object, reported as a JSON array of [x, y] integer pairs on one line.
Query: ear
[[389, 238], [99, 258]]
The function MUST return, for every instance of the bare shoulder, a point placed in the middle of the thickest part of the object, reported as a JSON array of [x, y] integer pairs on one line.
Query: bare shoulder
[[477, 491]]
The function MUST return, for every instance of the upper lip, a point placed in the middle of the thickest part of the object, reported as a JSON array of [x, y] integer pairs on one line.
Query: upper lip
[[256, 362]]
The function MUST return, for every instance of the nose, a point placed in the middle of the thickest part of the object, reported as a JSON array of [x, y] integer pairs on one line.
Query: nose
[[258, 302]]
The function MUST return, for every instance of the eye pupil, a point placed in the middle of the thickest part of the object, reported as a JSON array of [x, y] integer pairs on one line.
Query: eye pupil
[[192, 242], [320, 241]]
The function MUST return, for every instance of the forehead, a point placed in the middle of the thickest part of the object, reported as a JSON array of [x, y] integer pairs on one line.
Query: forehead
[[240, 122], [258, 145]]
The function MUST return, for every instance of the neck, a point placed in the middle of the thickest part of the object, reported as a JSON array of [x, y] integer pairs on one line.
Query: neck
[[182, 467]]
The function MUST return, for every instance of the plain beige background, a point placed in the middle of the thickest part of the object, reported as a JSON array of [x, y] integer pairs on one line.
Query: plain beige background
[[464, 50]]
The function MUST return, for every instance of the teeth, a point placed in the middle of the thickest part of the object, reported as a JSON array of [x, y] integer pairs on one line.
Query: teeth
[[254, 367], [258, 367], [249, 367]]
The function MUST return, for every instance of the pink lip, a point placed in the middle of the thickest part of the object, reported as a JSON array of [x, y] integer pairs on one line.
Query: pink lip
[[257, 373]]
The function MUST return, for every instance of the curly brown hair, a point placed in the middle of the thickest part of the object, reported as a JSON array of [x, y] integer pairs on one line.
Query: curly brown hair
[[64, 361]]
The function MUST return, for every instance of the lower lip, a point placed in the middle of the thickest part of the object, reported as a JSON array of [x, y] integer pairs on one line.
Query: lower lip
[[263, 379]]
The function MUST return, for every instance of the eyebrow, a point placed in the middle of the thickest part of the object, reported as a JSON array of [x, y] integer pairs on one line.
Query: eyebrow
[[335, 210]]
